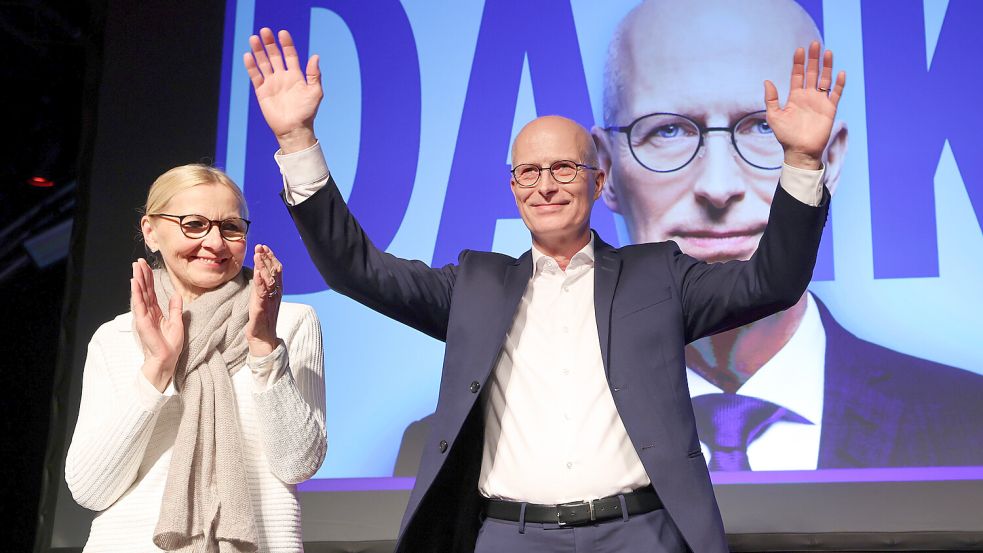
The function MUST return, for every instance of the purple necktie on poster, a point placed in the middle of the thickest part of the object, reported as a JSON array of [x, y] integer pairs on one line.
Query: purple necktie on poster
[[728, 423]]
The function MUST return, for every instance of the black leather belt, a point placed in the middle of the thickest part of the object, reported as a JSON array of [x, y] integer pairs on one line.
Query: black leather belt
[[642, 500]]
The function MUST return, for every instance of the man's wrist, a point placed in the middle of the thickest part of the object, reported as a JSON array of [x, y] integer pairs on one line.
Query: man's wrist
[[803, 161], [296, 140]]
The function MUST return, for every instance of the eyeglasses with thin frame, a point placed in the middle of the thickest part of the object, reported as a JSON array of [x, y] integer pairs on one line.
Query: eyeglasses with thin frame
[[564, 171], [667, 142], [194, 226]]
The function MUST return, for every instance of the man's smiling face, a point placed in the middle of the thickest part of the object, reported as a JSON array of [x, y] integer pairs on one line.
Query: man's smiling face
[[554, 211]]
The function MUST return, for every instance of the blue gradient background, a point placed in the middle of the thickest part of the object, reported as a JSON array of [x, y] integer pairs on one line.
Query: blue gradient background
[[381, 376]]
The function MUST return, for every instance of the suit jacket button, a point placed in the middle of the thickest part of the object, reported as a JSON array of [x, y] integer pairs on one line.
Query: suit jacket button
[[474, 387], [443, 446]]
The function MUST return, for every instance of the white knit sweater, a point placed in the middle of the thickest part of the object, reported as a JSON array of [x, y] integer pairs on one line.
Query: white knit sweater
[[121, 450]]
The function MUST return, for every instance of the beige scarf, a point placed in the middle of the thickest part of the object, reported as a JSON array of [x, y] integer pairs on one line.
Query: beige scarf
[[206, 505]]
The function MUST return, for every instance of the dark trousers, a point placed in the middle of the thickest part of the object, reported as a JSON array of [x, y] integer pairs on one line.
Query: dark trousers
[[652, 532]]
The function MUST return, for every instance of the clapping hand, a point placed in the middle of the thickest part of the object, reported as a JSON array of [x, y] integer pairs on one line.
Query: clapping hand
[[264, 302], [804, 125], [162, 337], [288, 96]]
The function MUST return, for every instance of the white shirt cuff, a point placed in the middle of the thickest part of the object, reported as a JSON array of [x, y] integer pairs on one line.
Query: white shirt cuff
[[304, 173], [269, 368], [805, 185]]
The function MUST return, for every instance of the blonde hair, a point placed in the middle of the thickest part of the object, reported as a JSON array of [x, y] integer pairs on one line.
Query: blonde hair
[[177, 180], [183, 177]]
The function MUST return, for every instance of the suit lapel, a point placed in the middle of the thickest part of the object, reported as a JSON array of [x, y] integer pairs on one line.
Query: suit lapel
[[515, 280], [607, 270]]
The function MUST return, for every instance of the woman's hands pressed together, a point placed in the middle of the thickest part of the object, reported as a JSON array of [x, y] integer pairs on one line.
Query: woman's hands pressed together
[[264, 301]]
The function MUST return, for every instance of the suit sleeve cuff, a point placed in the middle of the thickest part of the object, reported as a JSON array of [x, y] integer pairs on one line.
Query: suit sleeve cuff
[[304, 173], [804, 185]]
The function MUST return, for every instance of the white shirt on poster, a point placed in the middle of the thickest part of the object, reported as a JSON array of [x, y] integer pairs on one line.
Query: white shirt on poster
[[793, 379]]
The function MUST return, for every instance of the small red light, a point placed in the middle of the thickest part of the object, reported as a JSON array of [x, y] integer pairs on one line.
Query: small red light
[[40, 182]]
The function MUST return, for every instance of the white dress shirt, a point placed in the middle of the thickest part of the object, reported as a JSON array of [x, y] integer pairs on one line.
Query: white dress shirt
[[552, 431], [793, 379]]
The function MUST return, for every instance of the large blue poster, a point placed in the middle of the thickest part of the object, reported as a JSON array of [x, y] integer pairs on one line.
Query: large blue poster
[[423, 99]]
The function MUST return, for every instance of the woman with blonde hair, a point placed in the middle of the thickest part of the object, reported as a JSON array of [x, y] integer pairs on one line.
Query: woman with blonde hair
[[203, 406]]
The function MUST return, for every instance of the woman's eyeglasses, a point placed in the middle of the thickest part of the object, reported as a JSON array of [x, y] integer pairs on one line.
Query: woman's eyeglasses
[[232, 229]]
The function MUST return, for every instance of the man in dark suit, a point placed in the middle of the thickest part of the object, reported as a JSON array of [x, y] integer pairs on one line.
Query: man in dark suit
[[582, 436], [847, 403]]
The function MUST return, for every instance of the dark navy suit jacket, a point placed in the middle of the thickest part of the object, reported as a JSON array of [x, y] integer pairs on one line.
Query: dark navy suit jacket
[[650, 300]]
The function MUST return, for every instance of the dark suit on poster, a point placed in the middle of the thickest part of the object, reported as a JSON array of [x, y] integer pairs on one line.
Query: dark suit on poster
[[883, 408], [649, 300]]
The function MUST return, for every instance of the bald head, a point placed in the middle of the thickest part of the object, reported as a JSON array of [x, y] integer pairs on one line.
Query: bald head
[[702, 64], [550, 132], [667, 45], [557, 210]]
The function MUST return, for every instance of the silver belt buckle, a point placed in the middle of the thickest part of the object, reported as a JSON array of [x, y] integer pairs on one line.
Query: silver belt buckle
[[590, 509]]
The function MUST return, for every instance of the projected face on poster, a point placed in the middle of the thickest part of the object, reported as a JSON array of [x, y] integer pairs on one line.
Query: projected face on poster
[[710, 191], [421, 106]]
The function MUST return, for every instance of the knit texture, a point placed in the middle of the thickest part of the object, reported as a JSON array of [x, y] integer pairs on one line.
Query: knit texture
[[122, 447], [206, 501]]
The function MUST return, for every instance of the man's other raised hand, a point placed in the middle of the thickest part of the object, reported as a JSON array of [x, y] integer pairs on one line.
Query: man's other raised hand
[[288, 96], [804, 124]]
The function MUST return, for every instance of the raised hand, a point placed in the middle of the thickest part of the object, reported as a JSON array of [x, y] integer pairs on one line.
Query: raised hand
[[803, 126], [288, 96], [162, 337], [264, 302]]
